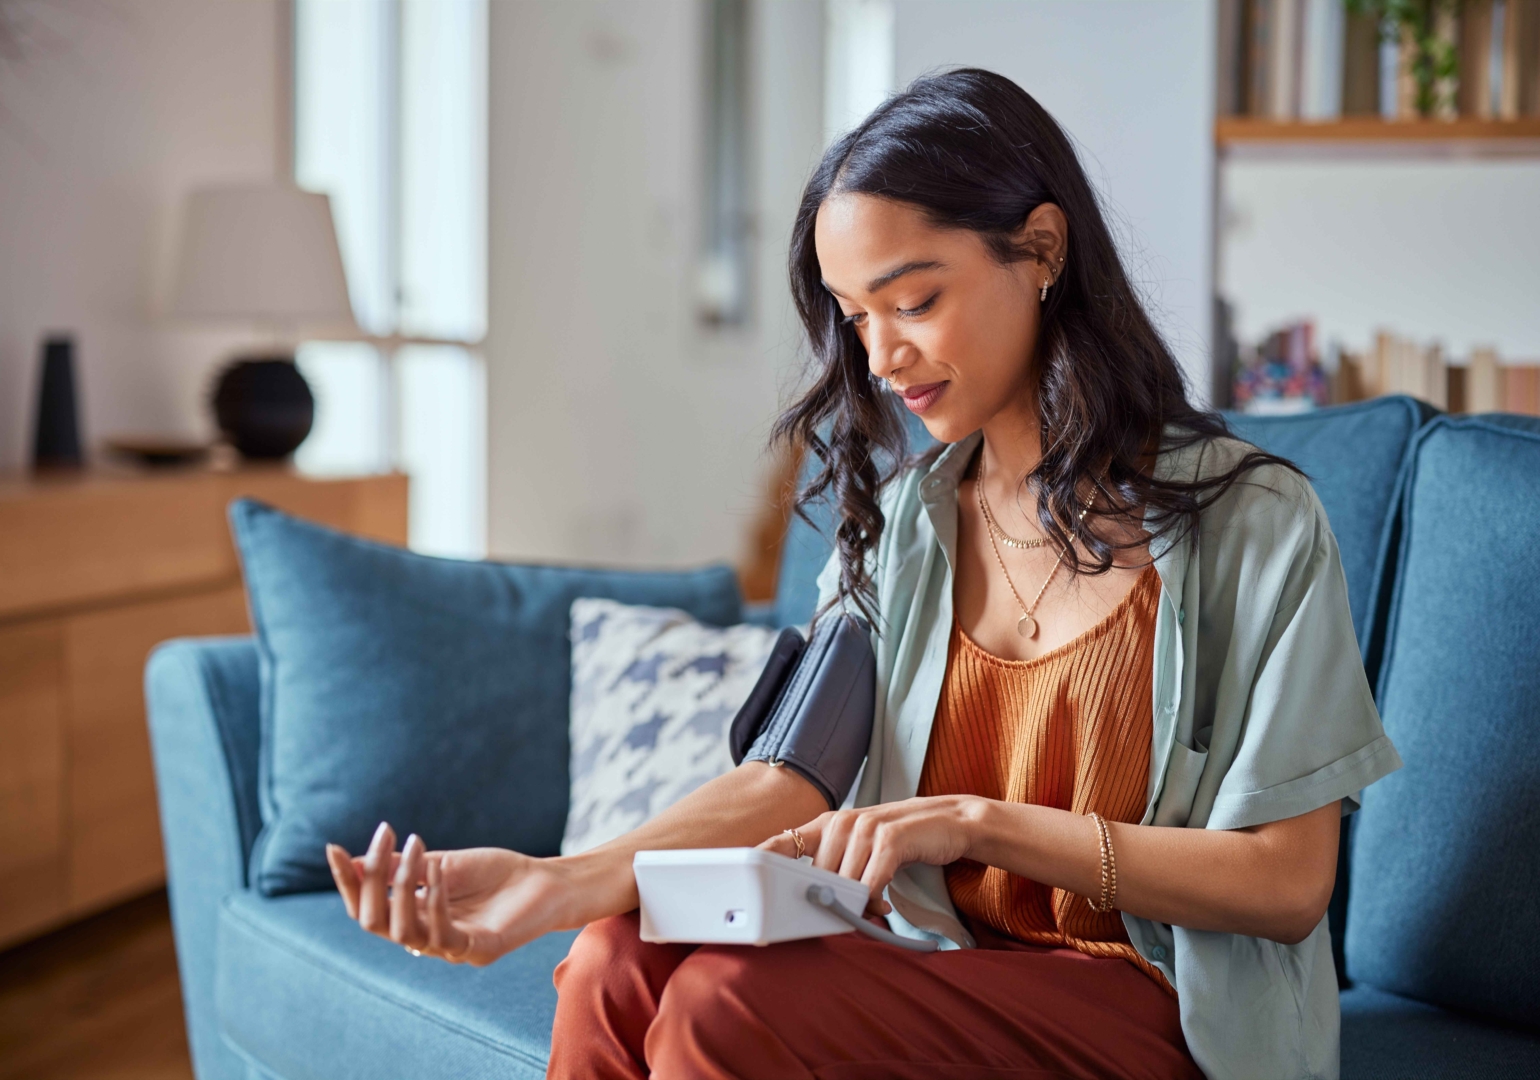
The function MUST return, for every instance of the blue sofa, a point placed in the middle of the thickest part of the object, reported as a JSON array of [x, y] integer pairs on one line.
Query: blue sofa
[[1437, 909]]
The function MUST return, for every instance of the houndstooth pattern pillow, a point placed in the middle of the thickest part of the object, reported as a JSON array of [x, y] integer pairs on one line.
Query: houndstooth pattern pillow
[[653, 693]]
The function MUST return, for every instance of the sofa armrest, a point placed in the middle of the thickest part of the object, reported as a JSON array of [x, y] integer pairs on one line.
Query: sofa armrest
[[202, 698]]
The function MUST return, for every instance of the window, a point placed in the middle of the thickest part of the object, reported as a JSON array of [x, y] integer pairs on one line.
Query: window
[[858, 61], [390, 106]]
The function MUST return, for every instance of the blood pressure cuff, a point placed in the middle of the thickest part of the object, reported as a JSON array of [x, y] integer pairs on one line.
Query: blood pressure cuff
[[813, 706]]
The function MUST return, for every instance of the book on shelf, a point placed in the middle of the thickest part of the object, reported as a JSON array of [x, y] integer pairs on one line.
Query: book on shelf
[[1483, 383], [1315, 60], [1517, 28], [1521, 389], [1321, 59], [1482, 390], [1285, 50], [1231, 69], [1284, 373], [1398, 366], [1476, 92], [1360, 65]]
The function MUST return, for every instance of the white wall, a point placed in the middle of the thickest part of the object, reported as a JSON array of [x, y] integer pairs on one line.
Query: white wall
[[620, 431], [115, 112], [1132, 81], [1433, 250]]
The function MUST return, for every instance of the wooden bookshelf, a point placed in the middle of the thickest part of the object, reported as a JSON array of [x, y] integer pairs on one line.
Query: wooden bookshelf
[[1370, 136]]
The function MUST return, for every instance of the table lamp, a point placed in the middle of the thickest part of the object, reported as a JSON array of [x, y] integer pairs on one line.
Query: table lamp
[[265, 256]]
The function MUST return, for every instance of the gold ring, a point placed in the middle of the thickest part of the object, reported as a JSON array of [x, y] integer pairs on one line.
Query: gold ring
[[796, 838], [414, 952]]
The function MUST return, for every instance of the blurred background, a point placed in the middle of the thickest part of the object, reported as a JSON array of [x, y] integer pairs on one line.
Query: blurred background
[[541, 311]]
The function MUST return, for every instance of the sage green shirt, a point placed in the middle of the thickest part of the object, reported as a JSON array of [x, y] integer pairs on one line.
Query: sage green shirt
[[1261, 712]]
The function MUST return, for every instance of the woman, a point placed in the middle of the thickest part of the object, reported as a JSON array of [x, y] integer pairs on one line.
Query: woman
[[1120, 705]]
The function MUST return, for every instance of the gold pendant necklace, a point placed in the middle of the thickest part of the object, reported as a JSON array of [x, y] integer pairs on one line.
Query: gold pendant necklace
[[1026, 626]]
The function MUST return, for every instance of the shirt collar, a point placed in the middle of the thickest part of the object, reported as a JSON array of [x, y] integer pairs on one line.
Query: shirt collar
[[946, 472]]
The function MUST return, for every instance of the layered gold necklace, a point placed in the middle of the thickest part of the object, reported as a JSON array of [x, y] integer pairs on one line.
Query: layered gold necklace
[[1026, 626]]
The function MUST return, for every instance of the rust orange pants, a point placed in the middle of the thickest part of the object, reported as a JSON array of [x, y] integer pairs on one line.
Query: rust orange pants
[[848, 1007]]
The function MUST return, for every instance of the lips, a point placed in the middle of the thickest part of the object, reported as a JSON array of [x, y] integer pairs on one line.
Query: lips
[[919, 398]]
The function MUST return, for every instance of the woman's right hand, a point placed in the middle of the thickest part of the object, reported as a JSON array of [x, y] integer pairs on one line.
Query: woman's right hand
[[469, 906]]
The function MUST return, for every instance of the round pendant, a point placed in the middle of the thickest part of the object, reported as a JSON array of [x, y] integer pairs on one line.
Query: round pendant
[[1026, 626]]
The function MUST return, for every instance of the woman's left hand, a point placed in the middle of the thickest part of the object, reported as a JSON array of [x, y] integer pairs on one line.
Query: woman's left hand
[[873, 843]]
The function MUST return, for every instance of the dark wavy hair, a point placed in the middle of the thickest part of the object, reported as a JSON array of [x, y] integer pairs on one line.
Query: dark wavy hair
[[972, 150]]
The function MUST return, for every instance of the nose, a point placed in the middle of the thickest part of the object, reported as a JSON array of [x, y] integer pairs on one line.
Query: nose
[[885, 350]]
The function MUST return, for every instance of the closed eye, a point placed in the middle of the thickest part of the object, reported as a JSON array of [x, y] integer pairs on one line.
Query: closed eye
[[854, 320], [910, 313]]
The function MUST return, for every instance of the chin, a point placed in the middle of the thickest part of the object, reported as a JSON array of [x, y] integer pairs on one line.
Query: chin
[[947, 429]]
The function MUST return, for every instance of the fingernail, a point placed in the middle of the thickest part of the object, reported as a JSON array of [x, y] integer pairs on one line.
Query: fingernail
[[410, 840], [376, 847]]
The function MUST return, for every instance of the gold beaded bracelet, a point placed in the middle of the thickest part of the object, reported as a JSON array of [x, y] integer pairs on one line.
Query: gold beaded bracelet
[[1109, 868]]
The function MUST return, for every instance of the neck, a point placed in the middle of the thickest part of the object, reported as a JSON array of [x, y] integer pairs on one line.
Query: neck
[[1013, 443]]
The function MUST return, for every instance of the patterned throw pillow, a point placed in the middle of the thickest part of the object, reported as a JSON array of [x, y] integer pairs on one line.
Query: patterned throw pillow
[[653, 693]]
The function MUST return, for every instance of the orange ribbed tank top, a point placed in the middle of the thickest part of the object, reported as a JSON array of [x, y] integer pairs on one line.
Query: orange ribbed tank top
[[1069, 729]]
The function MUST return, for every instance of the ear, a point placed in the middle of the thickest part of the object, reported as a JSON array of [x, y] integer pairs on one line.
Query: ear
[[1044, 237]]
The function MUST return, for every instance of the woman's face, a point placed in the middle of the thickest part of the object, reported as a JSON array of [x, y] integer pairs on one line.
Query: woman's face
[[951, 329]]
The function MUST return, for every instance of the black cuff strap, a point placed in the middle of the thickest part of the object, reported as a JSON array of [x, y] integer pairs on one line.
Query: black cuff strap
[[813, 706]]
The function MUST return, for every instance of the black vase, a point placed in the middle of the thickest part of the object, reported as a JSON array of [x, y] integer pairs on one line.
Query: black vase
[[264, 406], [56, 442]]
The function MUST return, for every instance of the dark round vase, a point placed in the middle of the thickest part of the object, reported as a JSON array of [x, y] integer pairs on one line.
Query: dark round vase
[[264, 406]]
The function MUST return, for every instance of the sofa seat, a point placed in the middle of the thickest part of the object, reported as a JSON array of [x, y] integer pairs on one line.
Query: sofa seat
[[302, 993], [1386, 1037]]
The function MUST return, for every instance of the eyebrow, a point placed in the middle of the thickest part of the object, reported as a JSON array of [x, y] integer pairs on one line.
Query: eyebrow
[[894, 274]]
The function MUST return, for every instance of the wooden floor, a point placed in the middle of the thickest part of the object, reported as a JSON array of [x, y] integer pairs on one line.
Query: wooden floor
[[95, 1001]]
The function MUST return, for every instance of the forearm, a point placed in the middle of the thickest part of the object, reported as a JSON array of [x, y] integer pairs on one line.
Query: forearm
[[1272, 881], [740, 809]]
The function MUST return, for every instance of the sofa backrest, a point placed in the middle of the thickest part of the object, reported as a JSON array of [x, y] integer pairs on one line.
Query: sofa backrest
[[1444, 906]]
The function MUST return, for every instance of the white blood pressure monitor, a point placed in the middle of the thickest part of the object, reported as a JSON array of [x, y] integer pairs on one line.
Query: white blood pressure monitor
[[745, 896]]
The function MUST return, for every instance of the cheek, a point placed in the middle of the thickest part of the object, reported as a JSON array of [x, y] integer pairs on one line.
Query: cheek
[[989, 348]]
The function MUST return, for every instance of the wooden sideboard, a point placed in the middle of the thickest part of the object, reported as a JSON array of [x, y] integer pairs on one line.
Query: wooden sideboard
[[95, 570]]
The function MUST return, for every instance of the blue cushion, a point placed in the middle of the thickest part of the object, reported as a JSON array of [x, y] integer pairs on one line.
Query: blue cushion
[[428, 692], [1385, 1037], [1353, 455], [304, 993], [1444, 906], [808, 544]]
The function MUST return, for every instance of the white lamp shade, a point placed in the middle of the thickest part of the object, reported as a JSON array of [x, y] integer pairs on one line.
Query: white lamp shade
[[265, 254]]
